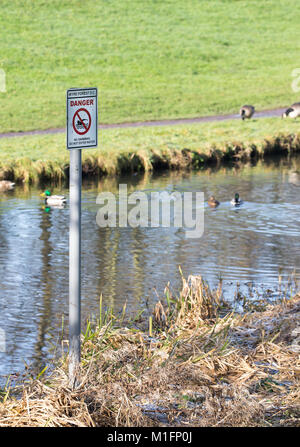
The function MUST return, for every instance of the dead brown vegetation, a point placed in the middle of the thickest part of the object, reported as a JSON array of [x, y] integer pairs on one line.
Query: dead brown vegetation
[[203, 366]]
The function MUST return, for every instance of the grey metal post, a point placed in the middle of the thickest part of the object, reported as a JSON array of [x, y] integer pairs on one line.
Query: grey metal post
[[74, 265]]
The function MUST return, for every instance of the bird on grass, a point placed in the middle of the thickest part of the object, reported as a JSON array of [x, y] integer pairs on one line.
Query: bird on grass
[[247, 111], [236, 201], [6, 185], [293, 111], [53, 200], [212, 202]]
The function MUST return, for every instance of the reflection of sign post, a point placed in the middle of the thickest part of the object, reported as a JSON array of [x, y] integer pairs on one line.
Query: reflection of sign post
[[82, 131]]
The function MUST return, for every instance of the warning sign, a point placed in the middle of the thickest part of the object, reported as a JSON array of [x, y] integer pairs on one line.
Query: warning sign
[[82, 118]]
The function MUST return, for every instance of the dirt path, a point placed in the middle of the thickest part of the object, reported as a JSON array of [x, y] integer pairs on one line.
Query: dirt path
[[203, 119]]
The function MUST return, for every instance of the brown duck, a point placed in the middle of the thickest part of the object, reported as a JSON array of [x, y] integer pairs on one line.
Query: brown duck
[[6, 185], [212, 202]]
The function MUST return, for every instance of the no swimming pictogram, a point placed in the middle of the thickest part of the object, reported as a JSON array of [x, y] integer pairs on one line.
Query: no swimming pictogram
[[82, 121]]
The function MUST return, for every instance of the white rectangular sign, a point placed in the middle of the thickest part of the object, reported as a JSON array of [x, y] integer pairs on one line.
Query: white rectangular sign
[[82, 118]]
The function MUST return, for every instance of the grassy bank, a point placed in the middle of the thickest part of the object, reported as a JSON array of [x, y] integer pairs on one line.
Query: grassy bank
[[150, 59], [44, 157], [198, 364]]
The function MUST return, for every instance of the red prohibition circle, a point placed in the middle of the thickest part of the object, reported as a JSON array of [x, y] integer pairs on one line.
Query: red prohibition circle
[[86, 127]]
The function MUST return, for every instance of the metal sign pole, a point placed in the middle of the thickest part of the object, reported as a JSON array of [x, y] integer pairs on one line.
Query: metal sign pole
[[82, 132], [74, 265]]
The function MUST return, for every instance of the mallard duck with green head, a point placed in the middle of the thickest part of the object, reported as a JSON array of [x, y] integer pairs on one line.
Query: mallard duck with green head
[[212, 202], [53, 200], [236, 201]]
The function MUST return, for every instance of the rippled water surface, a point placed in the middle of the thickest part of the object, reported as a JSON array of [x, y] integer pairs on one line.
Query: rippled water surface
[[253, 246]]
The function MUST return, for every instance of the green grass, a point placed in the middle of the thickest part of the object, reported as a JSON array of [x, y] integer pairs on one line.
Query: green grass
[[150, 59], [122, 150]]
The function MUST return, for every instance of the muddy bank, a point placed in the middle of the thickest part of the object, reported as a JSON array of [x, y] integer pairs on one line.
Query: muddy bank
[[198, 363], [154, 159]]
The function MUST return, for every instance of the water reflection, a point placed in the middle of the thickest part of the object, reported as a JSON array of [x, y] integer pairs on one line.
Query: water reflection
[[251, 245], [46, 286]]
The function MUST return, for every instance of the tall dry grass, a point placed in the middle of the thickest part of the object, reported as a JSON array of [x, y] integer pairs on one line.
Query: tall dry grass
[[202, 365]]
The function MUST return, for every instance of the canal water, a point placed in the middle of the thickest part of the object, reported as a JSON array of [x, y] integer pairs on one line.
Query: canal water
[[253, 249]]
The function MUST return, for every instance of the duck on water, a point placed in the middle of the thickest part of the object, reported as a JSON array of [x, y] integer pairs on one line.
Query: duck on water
[[212, 202], [6, 185], [236, 201], [53, 200]]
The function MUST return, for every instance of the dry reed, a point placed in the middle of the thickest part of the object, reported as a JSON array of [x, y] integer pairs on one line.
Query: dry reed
[[203, 366]]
